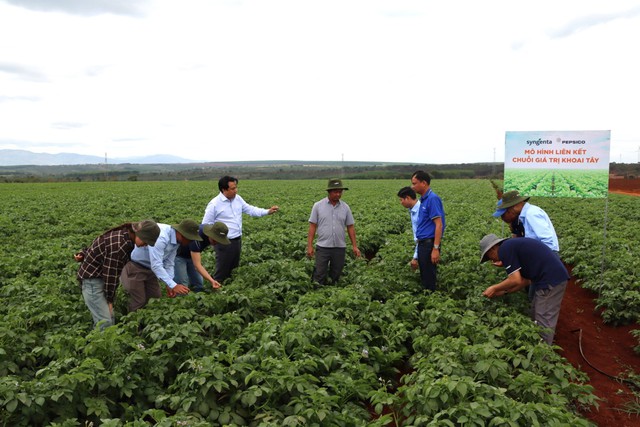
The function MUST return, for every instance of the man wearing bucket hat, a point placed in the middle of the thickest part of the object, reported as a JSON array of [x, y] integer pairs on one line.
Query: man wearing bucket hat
[[148, 264], [430, 228], [528, 262], [103, 261], [329, 219], [189, 269], [526, 220]]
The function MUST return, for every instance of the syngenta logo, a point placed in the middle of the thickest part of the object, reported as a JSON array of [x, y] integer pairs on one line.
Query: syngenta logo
[[539, 141]]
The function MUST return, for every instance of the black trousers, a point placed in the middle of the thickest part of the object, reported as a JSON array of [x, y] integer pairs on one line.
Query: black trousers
[[328, 260], [428, 270], [227, 259]]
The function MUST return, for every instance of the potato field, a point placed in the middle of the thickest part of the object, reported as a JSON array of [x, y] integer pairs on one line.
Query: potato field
[[272, 349]]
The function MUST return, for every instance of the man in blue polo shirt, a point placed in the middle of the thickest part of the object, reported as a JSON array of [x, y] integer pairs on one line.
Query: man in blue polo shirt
[[528, 262], [429, 230]]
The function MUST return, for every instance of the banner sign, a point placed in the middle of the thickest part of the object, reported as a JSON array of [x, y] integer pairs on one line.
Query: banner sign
[[557, 163]]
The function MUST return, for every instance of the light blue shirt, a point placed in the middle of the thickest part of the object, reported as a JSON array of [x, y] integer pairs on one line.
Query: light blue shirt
[[538, 226], [229, 211], [161, 257], [413, 212]]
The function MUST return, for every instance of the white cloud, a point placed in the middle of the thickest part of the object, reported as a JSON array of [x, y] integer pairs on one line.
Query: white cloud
[[433, 82]]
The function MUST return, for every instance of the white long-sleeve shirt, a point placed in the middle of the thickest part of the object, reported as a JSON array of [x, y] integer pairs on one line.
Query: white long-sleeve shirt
[[229, 211]]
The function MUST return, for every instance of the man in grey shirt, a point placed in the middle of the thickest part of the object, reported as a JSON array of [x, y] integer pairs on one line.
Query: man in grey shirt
[[329, 219]]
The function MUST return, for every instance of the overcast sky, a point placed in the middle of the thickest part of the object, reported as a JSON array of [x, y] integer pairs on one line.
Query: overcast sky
[[386, 80]]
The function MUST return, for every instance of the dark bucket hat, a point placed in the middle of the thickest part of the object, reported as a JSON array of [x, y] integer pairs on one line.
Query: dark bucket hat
[[147, 231], [335, 184], [217, 231], [189, 229], [509, 199]]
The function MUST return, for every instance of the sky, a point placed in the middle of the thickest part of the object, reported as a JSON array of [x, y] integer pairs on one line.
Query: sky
[[355, 80]]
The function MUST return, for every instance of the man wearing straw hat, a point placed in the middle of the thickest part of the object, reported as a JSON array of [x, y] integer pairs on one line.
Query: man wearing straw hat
[[528, 262]]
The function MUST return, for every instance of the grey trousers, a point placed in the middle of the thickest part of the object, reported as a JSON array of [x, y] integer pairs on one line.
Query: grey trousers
[[545, 309], [140, 283]]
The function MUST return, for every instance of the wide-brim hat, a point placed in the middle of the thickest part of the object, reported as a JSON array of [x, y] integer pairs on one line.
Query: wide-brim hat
[[335, 184], [487, 242], [147, 231], [509, 199], [189, 229], [218, 232]]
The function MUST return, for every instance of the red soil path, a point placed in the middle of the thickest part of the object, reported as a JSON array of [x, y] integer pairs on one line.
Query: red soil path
[[607, 348]]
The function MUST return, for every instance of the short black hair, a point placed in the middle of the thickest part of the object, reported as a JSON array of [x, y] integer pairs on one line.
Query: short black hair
[[422, 176], [407, 192], [223, 183]]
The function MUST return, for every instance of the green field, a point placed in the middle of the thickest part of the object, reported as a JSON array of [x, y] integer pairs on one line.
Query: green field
[[272, 349], [558, 182]]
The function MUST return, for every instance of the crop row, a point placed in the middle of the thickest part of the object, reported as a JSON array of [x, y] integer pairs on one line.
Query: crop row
[[271, 348]]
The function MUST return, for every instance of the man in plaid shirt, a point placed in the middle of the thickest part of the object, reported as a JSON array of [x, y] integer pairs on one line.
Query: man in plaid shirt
[[103, 262]]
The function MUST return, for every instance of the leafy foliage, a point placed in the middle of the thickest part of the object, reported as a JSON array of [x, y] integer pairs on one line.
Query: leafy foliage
[[271, 348]]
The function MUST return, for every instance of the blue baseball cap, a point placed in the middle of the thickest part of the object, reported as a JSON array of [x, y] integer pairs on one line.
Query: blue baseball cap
[[499, 212]]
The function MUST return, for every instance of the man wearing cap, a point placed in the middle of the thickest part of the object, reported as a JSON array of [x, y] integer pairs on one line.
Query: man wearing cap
[[103, 261], [228, 208], [329, 219], [189, 269], [148, 264], [528, 262], [430, 229], [526, 220]]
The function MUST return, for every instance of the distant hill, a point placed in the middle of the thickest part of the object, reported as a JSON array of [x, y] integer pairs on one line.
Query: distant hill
[[28, 158]]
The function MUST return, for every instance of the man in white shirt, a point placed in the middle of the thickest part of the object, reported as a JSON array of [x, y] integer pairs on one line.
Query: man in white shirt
[[228, 207]]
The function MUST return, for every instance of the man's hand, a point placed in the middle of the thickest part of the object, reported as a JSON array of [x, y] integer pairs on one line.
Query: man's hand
[[356, 252], [215, 284], [490, 292], [273, 209], [414, 264], [493, 291], [180, 289], [79, 256], [435, 256], [310, 251]]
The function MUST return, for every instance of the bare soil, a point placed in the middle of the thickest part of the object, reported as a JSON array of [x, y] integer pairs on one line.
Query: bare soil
[[606, 348]]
